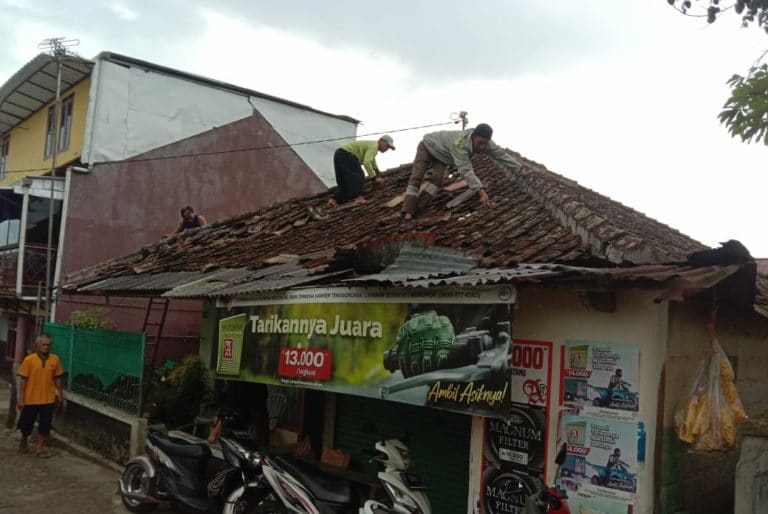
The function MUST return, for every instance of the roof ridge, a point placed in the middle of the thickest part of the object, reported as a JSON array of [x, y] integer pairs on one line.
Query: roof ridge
[[638, 252]]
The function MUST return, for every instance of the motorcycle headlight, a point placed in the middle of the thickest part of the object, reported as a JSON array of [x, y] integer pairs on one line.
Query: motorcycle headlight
[[254, 459], [403, 499]]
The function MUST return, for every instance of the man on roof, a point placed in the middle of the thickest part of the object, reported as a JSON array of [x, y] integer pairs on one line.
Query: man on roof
[[449, 148], [190, 220], [347, 161]]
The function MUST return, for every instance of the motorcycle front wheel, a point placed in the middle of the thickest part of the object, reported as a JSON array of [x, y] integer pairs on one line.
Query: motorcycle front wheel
[[136, 481]]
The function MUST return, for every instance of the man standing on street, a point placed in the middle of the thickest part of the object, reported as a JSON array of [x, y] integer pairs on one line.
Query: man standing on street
[[450, 148], [39, 382], [347, 161]]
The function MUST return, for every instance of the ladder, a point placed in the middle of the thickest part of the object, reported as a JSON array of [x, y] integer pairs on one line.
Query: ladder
[[154, 322]]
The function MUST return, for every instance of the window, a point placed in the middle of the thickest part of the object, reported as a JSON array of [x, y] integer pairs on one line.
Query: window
[[5, 142], [49, 133], [65, 126]]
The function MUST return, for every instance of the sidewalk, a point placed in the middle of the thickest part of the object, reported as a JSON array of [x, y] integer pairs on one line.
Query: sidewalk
[[64, 483], [73, 481]]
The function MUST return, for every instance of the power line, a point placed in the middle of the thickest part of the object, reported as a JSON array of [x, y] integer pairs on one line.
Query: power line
[[248, 149]]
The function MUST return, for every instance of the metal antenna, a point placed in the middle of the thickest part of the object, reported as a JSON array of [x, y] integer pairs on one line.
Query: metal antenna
[[460, 117], [56, 48]]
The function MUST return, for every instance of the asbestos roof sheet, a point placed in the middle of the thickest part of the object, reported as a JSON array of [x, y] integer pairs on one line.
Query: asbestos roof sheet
[[685, 276], [34, 86]]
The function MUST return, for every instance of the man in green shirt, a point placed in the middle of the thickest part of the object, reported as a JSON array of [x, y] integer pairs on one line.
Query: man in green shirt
[[347, 161]]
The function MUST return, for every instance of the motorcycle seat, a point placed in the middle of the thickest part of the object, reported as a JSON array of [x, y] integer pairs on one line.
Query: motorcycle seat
[[176, 447], [324, 486]]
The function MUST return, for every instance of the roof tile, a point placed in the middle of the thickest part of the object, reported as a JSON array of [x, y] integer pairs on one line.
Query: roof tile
[[538, 215]]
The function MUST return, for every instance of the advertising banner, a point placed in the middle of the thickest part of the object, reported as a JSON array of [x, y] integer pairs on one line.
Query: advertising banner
[[601, 459], [448, 348], [601, 378]]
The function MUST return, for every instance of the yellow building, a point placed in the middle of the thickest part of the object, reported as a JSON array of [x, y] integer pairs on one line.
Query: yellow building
[[30, 143], [27, 122]]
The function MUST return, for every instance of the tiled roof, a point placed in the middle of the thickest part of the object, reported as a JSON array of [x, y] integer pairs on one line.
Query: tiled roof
[[535, 216]]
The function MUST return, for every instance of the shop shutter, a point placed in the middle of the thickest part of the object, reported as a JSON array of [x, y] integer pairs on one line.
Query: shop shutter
[[439, 444]]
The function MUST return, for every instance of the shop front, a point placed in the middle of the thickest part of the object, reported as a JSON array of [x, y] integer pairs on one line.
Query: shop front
[[487, 382], [382, 362]]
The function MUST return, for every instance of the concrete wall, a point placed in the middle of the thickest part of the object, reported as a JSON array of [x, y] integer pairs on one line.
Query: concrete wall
[[118, 208], [557, 315], [700, 482]]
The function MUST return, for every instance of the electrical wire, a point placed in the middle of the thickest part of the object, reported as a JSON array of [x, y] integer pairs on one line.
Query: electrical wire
[[248, 149]]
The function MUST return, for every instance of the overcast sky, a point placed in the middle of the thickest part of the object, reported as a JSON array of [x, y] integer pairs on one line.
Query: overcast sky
[[620, 96]]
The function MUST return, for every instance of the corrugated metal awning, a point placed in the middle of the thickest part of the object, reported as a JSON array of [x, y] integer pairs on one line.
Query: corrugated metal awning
[[34, 86]]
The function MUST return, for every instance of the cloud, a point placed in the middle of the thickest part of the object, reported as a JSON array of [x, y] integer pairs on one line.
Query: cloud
[[452, 39], [621, 96], [123, 11]]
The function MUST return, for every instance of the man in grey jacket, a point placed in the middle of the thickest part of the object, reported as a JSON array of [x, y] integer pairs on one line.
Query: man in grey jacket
[[451, 149]]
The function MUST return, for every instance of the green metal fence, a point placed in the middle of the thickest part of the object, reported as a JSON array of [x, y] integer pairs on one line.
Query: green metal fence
[[105, 365]]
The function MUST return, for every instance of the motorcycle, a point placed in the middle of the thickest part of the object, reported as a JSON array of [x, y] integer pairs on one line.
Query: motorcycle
[[549, 499], [619, 398], [175, 470], [616, 478], [303, 489]]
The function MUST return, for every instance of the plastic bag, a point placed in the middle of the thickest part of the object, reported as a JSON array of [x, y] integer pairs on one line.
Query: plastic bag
[[708, 417]]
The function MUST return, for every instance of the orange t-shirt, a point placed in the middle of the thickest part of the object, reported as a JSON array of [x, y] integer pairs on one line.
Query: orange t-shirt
[[41, 386]]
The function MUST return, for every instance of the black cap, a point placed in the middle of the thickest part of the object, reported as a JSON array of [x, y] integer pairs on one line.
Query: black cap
[[483, 130]]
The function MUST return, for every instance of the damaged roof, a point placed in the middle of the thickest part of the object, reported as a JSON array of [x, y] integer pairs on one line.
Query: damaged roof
[[535, 216]]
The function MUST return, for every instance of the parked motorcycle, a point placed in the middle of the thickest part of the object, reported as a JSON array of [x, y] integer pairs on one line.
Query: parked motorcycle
[[549, 499], [175, 470], [303, 489]]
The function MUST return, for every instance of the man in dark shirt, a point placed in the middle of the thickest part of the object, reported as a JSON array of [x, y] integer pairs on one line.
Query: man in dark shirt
[[190, 220]]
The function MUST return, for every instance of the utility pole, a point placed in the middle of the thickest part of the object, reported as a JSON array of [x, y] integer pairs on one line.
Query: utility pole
[[57, 48]]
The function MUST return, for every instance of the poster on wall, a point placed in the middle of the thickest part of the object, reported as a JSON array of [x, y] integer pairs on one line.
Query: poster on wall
[[506, 491], [601, 378], [584, 503], [518, 442], [515, 448], [531, 372], [601, 459], [448, 348]]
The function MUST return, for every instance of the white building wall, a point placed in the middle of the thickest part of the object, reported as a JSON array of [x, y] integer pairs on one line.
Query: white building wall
[[300, 126], [133, 110]]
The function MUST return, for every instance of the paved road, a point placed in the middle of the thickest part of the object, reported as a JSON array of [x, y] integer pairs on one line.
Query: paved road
[[62, 484]]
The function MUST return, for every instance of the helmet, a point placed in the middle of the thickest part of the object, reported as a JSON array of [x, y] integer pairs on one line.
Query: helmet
[[617, 452], [618, 371]]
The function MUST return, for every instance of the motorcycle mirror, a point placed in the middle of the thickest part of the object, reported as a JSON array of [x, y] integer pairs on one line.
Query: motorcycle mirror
[[560, 459]]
